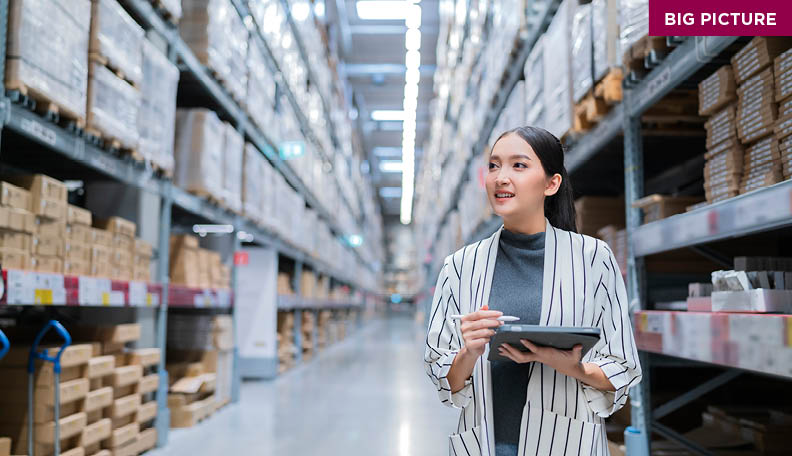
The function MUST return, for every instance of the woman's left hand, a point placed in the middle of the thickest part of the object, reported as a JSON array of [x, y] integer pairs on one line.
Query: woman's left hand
[[566, 362]]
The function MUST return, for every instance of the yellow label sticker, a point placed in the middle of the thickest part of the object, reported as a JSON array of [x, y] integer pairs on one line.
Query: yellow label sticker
[[789, 331], [149, 300], [42, 296], [105, 298], [644, 324]]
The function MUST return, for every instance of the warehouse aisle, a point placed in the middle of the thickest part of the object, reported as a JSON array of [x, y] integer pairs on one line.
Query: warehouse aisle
[[367, 395]]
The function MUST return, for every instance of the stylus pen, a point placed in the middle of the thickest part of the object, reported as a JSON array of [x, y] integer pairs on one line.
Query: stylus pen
[[503, 318]]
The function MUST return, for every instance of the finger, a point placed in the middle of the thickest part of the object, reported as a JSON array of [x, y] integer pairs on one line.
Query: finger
[[577, 352], [506, 354], [517, 355], [479, 334], [488, 323], [529, 345]]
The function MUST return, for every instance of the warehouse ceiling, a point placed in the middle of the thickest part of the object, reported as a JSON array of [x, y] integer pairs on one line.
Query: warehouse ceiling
[[372, 53]]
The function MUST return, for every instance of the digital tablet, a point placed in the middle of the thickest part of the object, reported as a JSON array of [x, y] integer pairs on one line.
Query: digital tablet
[[561, 337]]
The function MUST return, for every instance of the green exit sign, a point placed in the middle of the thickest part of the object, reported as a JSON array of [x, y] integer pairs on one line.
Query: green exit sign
[[291, 149]]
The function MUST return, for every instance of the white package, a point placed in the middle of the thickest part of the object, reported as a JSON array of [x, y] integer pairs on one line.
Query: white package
[[157, 115], [605, 36], [113, 106], [534, 86], [634, 22], [116, 37], [557, 78], [47, 51], [233, 150], [582, 58], [260, 100], [198, 152], [252, 189]]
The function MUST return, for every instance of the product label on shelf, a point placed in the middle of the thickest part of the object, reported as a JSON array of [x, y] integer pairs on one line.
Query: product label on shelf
[[19, 287], [203, 299], [223, 298], [152, 299], [39, 131], [137, 294], [113, 298]]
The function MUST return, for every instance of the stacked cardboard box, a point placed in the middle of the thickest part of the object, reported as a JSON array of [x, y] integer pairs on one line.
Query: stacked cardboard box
[[595, 212], [762, 166], [717, 91], [141, 259], [233, 151], [48, 39], [74, 390], [199, 366], [658, 207], [252, 184], [756, 108], [723, 170], [195, 267], [17, 223], [323, 338], [308, 324], [48, 203], [285, 284], [122, 246], [77, 249], [783, 95], [286, 348]]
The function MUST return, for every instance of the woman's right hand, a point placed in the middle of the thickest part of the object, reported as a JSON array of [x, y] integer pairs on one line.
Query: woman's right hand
[[477, 329]]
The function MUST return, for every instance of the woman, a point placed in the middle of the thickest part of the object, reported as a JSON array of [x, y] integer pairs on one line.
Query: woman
[[536, 267]]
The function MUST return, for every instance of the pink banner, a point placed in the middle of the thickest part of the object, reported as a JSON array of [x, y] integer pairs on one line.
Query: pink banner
[[720, 17]]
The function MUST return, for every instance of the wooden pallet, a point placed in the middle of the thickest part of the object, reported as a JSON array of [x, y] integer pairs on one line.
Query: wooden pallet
[[102, 60], [643, 55], [160, 171], [163, 11], [112, 144], [40, 102], [609, 88]]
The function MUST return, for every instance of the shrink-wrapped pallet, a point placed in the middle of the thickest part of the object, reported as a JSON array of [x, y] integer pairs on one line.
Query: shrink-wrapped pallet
[[534, 86], [260, 100], [47, 53], [198, 152], [217, 35], [252, 185], [113, 106], [267, 193], [582, 57], [557, 77], [233, 150], [173, 8], [605, 36], [157, 114], [116, 39], [634, 22]]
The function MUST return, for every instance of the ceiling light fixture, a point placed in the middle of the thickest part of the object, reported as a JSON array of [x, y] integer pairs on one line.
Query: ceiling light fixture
[[412, 77], [381, 115], [381, 10]]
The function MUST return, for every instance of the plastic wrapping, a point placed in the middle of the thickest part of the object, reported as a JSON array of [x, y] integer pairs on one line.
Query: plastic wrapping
[[582, 53], [267, 193], [173, 7], [198, 152], [113, 106], [634, 22], [260, 100], [605, 36], [233, 150], [534, 86], [252, 185], [48, 51], [557, 78], [157, 114], [217, 35], [116, 37]]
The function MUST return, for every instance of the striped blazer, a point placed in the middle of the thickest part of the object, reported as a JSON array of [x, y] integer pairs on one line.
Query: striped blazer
[[582, 286]]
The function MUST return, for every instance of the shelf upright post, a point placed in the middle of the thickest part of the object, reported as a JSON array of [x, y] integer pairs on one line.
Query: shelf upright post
[[236, 378], [296, 279], [636, 273], [162, 422], [4, 102]]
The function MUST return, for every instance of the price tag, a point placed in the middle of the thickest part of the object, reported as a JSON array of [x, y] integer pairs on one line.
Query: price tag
[[137, 294], [105, 298], [42, 296], [87, 291], [117, 299]]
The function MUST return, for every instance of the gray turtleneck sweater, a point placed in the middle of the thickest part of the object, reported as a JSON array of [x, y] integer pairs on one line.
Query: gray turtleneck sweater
[[516, 290]]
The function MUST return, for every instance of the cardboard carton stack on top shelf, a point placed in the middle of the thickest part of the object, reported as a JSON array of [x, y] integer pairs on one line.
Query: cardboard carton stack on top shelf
[[121, 233], [76, 363], [233, 152], [77, 259], [783, 95], [114, 75], [49, 39], [199, 366], [757, 110]]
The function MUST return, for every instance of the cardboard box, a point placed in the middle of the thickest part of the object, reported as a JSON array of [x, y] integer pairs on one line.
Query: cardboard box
[[117, 334], [125, 406], [143, 248], [757, 55], [15, 219], [100, 366], [96, 432], [123, 435], [121, 257], [101, 269], [69, 427], [757, 301], [717, 91], [146, 412], [13, 196], [124, 242], [179, 241], [5, 446], [76, 268], [126, 375], [102, 237], [657, 207], [41, 186], [77, 251], [80, 233], [595, 212], [99, 399], [184, 268], [49, 208], [100, 254], [148, 384], [15, 240], [78, 216], [47, 246], [49, 264], [141, 274], [144, 357], [73, 355], [117, 225], [722, 126]]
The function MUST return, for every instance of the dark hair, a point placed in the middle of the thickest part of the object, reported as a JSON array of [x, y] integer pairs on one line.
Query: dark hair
[[559, 208]]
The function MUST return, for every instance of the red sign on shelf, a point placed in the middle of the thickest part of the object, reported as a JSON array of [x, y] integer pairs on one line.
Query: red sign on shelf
[[241, 258]]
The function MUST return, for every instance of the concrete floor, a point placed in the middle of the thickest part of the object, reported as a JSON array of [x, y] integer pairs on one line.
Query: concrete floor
[[367, 395]]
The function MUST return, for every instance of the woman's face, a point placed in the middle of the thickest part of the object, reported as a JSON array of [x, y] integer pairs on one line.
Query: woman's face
[[516, 182]]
